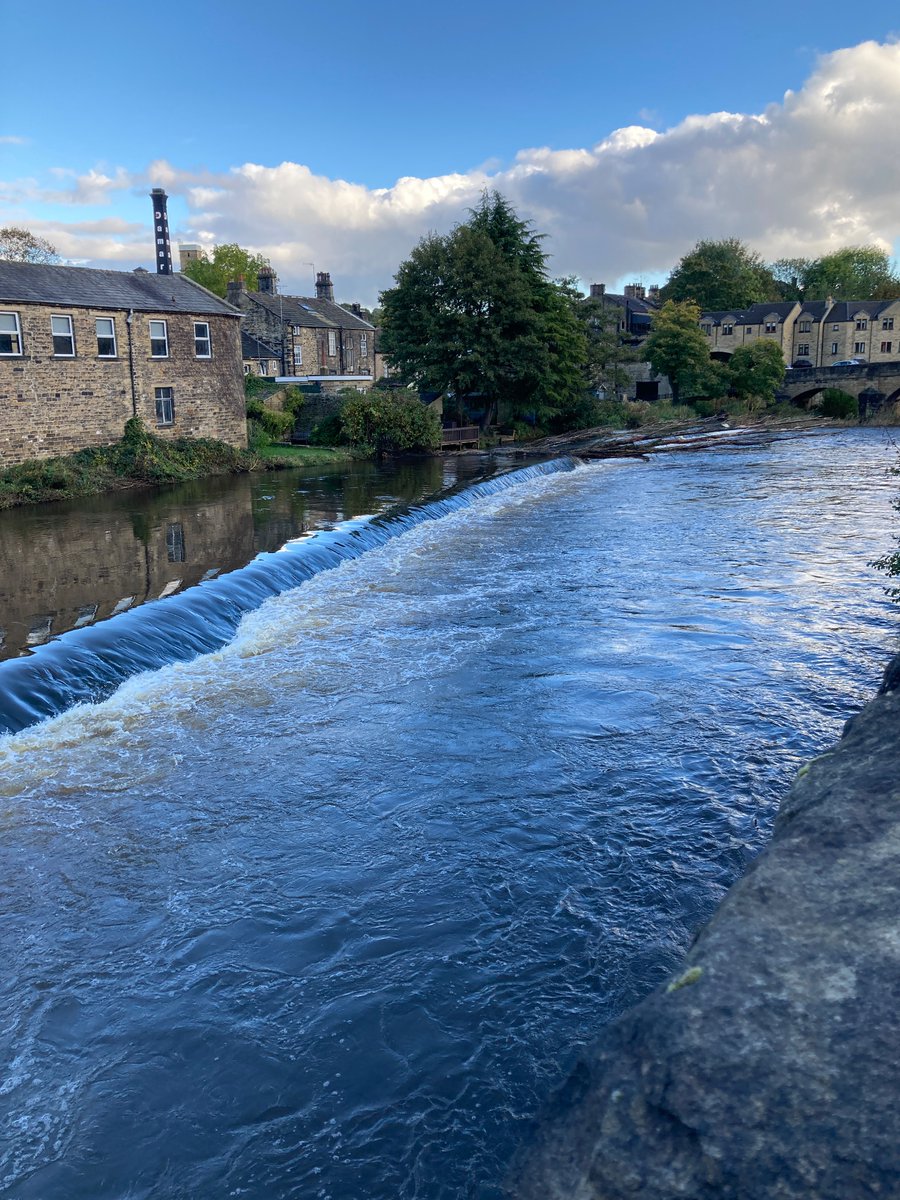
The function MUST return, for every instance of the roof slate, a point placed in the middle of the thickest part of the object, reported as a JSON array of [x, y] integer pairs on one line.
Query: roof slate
[[310, 312], [252, 347], [85, 287]]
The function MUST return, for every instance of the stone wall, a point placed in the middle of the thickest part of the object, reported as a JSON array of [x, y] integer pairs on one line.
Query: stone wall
[[766, 1069], [51, 405]]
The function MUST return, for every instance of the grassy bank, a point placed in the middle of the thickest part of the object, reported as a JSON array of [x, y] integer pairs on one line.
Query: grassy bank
[[140, 459]]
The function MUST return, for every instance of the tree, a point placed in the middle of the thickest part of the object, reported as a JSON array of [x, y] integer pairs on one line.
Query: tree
[[677, 348], [721, 275], [756, 371], [473, 313], [854, 273], [229, 261], [21, 245]]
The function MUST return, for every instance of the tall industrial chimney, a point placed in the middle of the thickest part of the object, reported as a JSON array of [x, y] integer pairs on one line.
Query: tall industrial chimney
[[161, 234]]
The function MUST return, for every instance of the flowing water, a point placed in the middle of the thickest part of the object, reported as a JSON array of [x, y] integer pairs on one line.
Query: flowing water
[[329, 910]]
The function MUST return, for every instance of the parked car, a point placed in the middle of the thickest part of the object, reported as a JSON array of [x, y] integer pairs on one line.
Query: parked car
[[848, 362], [800, 362]]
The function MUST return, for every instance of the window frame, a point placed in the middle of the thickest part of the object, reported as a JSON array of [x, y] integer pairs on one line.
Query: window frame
[[727, 330], [106, 337], [165, 338], [15, 335], [887, 323], [207, 339], [771, 326], [297, 354], [859, 347], [887, 347], [834, 347], [862, 324], [364, 344], [162, 396], [70, 335], [332, 343], [804, 327], [803, 350]]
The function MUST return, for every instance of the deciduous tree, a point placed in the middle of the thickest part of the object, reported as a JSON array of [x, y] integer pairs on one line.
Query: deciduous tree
[[228, 262], [473, 313], [21, 245], [854, 273], [677, 348], [756, 371], [721, 275]]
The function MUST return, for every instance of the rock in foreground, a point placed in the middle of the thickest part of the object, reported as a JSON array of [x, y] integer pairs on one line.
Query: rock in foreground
[[768, 1067]]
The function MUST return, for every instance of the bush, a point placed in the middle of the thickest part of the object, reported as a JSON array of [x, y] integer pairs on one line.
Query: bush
[[328, 432], [841, 405], [376, 423], [277, 425]]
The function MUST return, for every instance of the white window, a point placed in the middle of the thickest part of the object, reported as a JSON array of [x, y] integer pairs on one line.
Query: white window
[[859, 347], [332, 343], [805, 326], [727, 330], [165, 406], [106, 337], [63, 338], [263, 366], [202, 344], [10, 334], [298, 355], [364, 342], [834, 347], [835, 328], [159, 339], [771, 327]]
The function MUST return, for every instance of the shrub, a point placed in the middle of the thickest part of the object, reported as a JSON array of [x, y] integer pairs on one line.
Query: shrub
[[376, 423], [277, 425], [841, 405], [328, 432]]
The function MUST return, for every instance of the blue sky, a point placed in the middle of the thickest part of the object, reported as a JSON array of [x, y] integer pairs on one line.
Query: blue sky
[[370, 95]]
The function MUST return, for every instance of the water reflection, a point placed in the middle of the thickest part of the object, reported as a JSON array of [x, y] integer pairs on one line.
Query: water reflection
[[64, 566]]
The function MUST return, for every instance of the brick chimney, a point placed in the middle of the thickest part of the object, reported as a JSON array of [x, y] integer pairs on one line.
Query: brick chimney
[[324, 286], [268, 281], [161, 232]]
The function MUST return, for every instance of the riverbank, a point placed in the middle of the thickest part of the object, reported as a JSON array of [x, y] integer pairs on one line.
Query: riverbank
[[766, 1066], [141, 459]]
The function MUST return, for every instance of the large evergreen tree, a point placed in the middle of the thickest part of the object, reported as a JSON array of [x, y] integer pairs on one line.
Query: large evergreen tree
[[473, 313]]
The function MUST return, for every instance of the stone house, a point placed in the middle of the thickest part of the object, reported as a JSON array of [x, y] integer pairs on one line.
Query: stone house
[[636, 308], [320, 342], [82, 351], [815, 333], [259, 358]]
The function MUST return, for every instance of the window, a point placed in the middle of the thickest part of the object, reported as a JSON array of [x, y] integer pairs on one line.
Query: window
[[175, 541], [835, 328], [803, 349], [862, 323], [159, 340], [706, 329], [886, 347], [887, 323], [364, 342], [297, 329], [727, 330], [834, 347], [106, 337], [298, 355], [165, 406], [805, 326], [10, 334], [348, 342], [263, 366], [748, 332], [859, 347], [771, 327], [202, 345], [63, 338], [332, 343]]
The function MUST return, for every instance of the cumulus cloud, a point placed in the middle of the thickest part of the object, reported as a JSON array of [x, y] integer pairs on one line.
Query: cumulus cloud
[[12, 139], [814, 171]]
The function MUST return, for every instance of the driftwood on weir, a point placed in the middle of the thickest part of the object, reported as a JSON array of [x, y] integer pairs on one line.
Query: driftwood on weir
[[707, 434]]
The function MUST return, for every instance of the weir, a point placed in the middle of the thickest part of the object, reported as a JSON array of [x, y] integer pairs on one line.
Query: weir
[[88, 664]]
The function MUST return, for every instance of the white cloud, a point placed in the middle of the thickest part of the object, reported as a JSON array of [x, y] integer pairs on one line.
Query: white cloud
[[819, 169], [11, 139]]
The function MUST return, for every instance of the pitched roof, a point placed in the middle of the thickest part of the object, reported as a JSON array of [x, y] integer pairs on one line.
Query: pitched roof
[[846, 310], [757, 313], [814, 309], [84, 287], [252, 347], [310, 312]]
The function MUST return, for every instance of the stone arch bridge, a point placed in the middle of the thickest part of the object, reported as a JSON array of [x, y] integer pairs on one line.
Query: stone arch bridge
[[875, 385]]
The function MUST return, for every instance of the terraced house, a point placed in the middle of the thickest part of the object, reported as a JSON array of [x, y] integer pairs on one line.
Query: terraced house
[[82, 351], [817, 333], [319, 342]]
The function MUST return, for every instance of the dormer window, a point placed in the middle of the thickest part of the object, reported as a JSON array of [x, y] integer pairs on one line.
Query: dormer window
[[727, 330], [862, 323], [771, 326], [805, 326]]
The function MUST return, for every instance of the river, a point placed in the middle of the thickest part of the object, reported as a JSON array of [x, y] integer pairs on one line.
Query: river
[[330, 909]]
